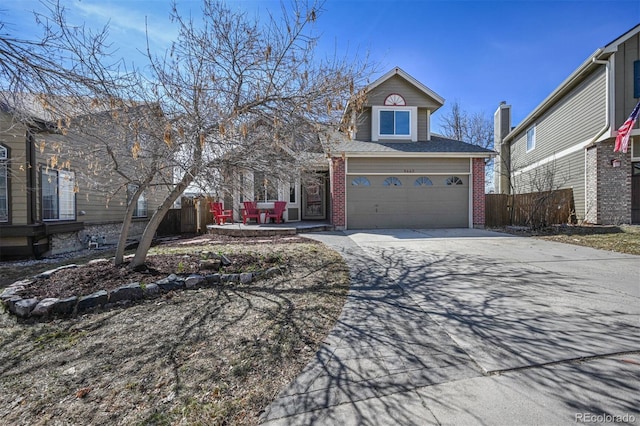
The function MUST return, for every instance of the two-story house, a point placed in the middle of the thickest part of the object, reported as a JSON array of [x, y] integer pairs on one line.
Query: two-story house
[[568, 140], [393, 172], [50, 204]]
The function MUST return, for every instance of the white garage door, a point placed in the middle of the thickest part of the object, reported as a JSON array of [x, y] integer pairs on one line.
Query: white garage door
[[408, 200]]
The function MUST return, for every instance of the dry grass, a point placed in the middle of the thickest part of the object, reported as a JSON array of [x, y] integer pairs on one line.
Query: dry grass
[[210, 356], [621, 239]]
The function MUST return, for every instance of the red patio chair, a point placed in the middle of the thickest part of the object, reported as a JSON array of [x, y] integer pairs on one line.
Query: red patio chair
[[250, 211], [278, 210], [220, 216]]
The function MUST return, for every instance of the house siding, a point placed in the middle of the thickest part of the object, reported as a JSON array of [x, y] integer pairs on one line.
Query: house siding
[[565, 172], [13, 136], [574, 119], [422, 124], [627, 53], [408, 165], [396, 84], [363, 125]]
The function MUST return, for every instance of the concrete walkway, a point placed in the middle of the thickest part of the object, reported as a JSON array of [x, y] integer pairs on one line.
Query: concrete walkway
[[474, 327]]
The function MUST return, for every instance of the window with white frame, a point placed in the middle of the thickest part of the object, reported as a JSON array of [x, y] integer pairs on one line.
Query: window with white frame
[[140, 209], [58, 195], [635, 148], [4, 185], [394, 123], [531, 138]]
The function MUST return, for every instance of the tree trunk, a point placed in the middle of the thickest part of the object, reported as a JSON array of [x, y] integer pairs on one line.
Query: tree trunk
[[126, 224], [151, 228]]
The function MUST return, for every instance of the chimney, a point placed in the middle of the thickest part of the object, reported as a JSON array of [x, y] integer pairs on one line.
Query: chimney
[[501, 128]]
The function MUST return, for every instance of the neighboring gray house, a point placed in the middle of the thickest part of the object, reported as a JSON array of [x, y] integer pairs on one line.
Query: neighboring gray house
[[567, 141]]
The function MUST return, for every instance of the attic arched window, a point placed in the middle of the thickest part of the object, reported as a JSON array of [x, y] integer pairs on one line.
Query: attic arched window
[[394, 100]]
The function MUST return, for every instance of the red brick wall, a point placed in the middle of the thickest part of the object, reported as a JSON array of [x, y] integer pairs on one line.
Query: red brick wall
[[338, 193], [478, 192]]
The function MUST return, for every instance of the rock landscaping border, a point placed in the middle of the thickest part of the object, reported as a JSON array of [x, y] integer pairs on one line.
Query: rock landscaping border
[[129, 293]]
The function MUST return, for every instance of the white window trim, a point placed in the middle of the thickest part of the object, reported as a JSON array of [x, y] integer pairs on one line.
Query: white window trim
[[140, 210], [635, 156], [533, 139], [65, 191], [375, 123]]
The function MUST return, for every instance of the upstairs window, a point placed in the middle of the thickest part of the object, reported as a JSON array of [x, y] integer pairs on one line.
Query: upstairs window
[[531, 138], [58, 195], [394, 123]]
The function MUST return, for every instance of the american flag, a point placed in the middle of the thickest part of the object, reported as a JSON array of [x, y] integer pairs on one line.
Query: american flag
[[622, 140]]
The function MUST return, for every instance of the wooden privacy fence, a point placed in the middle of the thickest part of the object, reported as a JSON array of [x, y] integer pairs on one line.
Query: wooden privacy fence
[[192, 217], [535, 209]]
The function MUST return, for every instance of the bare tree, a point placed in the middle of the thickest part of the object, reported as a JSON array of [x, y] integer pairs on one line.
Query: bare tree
[[238, 93], [475, 129], [230, 93], [68, 78]]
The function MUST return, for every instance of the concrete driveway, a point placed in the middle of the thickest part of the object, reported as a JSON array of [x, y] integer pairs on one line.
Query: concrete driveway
[[474, 327]]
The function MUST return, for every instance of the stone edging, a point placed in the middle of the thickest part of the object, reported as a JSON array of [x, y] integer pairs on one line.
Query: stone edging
[[56, 307]]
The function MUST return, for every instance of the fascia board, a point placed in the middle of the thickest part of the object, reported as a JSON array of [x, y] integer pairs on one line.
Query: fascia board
[[417, 155], [399, 71]]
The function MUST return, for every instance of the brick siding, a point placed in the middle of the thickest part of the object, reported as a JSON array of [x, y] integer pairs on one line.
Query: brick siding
[[478, 192], [338, 193], [613, 185]]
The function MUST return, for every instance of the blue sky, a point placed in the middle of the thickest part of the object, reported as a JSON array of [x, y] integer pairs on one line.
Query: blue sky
[[476, 52]]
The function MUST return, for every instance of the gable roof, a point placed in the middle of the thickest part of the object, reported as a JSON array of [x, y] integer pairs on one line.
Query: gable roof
[[438, 146], [575, 78], [400, 72]]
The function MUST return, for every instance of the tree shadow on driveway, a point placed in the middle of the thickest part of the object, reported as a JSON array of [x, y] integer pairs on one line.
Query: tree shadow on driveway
[[417, 321]]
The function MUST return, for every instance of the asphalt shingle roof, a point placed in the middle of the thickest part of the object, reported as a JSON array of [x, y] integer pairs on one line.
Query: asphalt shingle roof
[[437, 144]]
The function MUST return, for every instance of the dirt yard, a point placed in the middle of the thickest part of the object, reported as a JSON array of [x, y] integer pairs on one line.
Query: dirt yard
[[210, 356]]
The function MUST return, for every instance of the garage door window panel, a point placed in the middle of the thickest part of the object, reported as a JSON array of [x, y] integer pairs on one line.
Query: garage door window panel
[[392, 181], [423, 181], [360, 181], [454, 180]]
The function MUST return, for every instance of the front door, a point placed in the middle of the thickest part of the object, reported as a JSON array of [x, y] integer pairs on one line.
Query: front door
[[314, 205], [635, 193]]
